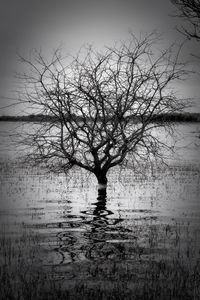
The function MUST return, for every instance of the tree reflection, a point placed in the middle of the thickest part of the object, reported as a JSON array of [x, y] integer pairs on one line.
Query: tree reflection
[[100, 206], [92, 242], [102, 228], [101, 214]]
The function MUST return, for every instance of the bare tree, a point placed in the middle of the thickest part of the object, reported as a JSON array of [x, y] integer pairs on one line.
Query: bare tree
[[189, 11], [100, 108]]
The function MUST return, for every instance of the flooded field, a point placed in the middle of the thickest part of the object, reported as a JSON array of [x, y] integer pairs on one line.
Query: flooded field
[[58, 240]]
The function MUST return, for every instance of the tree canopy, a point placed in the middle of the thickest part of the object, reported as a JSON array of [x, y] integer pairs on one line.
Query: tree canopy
[[189, 11], [103, 104]]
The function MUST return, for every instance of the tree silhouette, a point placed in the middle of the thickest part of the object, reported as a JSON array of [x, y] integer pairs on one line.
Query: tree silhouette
[[189, 10], [100, 106]]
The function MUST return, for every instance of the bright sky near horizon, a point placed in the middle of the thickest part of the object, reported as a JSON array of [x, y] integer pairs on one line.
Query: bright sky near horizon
[[33, 24]]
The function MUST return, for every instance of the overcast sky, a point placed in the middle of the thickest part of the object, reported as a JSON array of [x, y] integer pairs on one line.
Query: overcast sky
[[32, 24]]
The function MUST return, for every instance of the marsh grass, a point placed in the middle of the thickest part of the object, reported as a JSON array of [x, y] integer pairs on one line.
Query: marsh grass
[[151, 260], [144, 275]]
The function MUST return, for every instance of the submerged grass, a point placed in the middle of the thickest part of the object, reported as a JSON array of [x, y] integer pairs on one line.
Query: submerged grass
[[154, 261], [145, 276]]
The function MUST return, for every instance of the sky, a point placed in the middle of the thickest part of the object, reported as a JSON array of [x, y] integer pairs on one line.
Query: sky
[[26, 24]]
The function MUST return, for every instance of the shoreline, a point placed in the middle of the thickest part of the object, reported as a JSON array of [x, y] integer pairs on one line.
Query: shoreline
[[176, 117]]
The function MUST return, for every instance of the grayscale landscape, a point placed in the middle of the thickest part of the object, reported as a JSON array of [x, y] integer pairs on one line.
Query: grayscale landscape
[[99, 160]]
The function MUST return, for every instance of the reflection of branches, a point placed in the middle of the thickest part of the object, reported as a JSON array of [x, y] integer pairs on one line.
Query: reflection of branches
[[101, 213], [100, 225], [69, 247]]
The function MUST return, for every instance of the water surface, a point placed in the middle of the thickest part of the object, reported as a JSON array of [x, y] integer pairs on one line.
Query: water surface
[[146, 216]]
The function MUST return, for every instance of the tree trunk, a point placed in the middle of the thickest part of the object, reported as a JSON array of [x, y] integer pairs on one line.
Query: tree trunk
[[102, 183], [102, 186]]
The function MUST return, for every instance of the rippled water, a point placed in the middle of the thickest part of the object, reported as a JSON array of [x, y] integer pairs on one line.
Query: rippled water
[[145, 217]]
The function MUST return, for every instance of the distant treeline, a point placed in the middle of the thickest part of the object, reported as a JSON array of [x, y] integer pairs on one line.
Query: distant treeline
[[27, 118], [177, 117], [173, 117]]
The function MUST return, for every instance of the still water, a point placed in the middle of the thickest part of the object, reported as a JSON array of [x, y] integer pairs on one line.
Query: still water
[[149, 216]]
